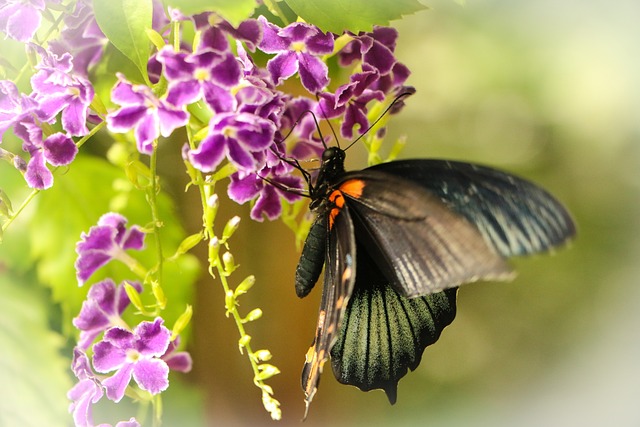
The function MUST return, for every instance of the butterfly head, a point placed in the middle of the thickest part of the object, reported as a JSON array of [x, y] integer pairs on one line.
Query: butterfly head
[[331, 169]]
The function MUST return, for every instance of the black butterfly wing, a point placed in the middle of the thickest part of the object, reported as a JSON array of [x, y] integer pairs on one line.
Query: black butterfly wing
[[339, 279], [383, 334], [514, 215], [419, 244]]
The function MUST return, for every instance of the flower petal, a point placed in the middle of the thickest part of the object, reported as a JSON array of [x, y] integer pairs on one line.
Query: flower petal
[[151, 375], [209, 153], [83, 395], [226, 73], [241, 190], [239, 156], [218, 98], [320, 43], [108, 357], [126, 118], [282, 66], [271, 41], [267, 204], [88, 262], [146, 132], [38, 175], [179, 361], [118, 382], [380, 57], [74, 118], [184, 92], [59, 149], [152, 338], [314, 73], [170, 119], [23, 23]]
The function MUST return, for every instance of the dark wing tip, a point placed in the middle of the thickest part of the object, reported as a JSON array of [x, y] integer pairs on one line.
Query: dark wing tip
[[391, 389]]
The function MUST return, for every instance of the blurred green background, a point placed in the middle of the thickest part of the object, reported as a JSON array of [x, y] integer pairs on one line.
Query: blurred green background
[[548, 90]]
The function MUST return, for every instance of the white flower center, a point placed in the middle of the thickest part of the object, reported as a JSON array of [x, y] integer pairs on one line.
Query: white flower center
[[133, 355], [202, 75], [298, 46]]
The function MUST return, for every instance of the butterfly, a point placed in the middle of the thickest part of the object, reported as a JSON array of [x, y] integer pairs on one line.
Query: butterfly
[[395, 241]]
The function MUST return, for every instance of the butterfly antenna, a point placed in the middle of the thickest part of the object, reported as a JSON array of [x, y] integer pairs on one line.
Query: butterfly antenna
[[326, 119], [297, 122], [294, 162], [285, 188], [386, 110]]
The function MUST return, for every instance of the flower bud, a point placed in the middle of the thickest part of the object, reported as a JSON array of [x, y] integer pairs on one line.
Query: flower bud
[[182, 322], [229, 262], [230, 227]]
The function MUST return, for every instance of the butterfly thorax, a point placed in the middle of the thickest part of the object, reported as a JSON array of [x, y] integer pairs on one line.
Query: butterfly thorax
[[331, 169]]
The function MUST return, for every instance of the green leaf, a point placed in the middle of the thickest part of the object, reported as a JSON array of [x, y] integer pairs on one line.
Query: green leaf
[[34, 375], [125, 23], [234, 11], [354, 15]]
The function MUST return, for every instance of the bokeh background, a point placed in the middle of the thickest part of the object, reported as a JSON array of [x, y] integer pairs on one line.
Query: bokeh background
[[545, 89]]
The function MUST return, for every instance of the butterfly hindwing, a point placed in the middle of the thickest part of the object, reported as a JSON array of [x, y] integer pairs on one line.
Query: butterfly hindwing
[[515, 216], [419, 244], [383, 333], [339, 279]]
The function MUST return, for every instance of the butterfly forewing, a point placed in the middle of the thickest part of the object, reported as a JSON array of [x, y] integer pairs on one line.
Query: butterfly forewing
[[514, 215], [339, 278], [420, 245]]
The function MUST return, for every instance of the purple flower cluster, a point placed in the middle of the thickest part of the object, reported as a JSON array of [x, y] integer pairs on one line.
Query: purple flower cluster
[[57, 91], [20, 19], [145, 353], [249, 95], [61, 91], [250, 116], [381, 75], [106, 241]]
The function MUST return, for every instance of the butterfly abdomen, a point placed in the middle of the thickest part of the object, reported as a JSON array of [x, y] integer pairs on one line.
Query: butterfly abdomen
[[312, 257]]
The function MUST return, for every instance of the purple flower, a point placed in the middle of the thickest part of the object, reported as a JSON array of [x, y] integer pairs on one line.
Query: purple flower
[[81, 37], [297, 47], [206, 74], [393, 81], [179, 361], [375, 48], [134, 354], [299, 126], [86, 392], [247, 186], [57, 149], [215, 30], [14, 106], [239, 136], [351, 100], [109, 239], [142, 110], [57, 89], [102, 309], [131, 423], [20, 19], [160, 21]]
